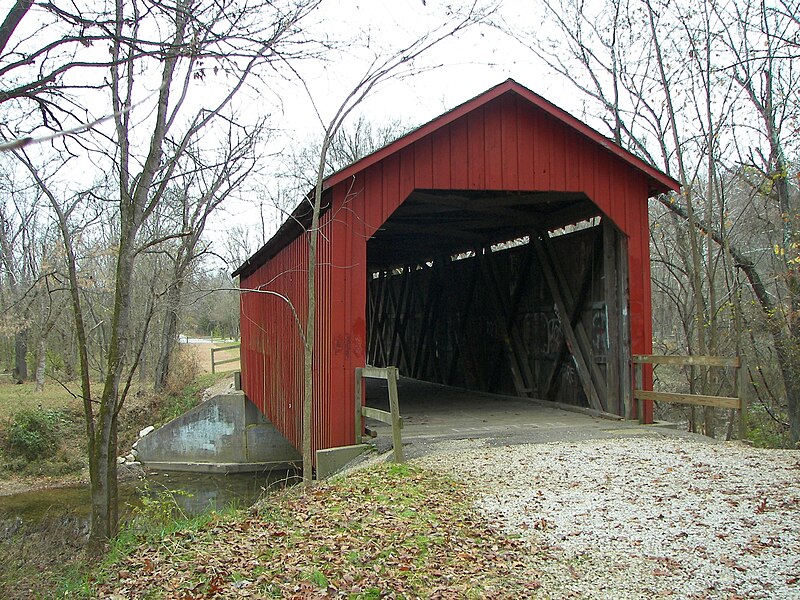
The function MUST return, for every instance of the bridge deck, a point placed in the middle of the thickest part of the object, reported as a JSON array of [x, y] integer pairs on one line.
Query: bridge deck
[[433, 412]]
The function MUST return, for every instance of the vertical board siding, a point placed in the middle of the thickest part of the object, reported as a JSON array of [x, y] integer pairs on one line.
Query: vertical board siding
[[505, 145], [526, 159], [271, 341], [392, 182], [493, 149], [441, 158], [354, 192], [407, 171], [476, 151], [540, 132], [459, 154], [423, 163], [560, 162], [588, 167], [510, 165]]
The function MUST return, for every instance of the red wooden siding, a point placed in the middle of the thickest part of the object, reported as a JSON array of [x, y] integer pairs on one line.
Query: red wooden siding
[[505, 144]]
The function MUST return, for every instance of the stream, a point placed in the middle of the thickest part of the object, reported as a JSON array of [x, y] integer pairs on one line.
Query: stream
[[65, 510]]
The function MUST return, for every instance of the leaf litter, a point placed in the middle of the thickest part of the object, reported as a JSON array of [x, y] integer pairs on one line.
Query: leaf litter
[[391, 531], [598, 519]]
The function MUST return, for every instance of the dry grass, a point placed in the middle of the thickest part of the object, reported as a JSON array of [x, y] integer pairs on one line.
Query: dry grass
[[202, 353], [15, 398]]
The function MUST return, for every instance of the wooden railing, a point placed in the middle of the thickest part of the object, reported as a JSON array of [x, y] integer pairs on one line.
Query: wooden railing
[[736, 402], [215, 362], [391, 375]]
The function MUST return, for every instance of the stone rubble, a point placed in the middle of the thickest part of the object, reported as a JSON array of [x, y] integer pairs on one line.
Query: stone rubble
[[226, 386], [643, 517], [132, 457]]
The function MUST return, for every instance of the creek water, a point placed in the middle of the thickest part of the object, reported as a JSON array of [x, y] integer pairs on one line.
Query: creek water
[[65, 510]]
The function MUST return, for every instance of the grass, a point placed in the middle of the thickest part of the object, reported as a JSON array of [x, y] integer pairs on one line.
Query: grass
[[141, 409], [390, 529], [177, 403], [15, 398], [763, 431], [35, 557], [69, 456]]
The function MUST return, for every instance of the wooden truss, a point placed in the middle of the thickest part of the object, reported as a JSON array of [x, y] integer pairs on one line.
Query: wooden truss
[[533, 317]]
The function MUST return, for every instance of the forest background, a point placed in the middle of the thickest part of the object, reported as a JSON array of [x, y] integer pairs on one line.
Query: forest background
[[159, 144]]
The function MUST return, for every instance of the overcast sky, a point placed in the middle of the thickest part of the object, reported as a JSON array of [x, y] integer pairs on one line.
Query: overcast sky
[[471, 63], [364, 30], [461, 68]]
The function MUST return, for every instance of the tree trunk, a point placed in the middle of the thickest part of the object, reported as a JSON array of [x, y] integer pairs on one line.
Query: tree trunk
[[308, 346], [787, 351], [788, 346], [20, 355], [68, 340], [12, 21], [104, 493], [41, 363], [169, 333], [103, 454]]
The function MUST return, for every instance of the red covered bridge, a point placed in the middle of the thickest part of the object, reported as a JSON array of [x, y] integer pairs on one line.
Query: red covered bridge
[[501, 247]]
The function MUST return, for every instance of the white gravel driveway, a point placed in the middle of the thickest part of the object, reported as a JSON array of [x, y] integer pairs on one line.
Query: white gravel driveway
[[643, 517]]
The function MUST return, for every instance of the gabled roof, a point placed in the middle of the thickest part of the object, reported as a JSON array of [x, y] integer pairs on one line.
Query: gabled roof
[[658, 182]]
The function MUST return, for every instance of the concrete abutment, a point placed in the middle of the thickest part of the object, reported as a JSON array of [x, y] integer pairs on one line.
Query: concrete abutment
[[225, 434]]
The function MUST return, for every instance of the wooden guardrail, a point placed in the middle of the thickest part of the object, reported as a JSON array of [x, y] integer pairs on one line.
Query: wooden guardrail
[[215, 363], [391, 375], [736, 402]]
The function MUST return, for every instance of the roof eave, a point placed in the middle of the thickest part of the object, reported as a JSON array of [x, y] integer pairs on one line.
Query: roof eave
[[663, 182]]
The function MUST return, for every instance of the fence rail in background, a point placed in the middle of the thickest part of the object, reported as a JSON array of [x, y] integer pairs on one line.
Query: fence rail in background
[[215, 362], [736, 402]]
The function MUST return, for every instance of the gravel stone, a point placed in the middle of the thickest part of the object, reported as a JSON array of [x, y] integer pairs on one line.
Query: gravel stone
[[642, 517]]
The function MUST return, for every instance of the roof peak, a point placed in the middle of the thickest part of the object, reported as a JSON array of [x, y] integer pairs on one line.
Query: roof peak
[[660, 182]]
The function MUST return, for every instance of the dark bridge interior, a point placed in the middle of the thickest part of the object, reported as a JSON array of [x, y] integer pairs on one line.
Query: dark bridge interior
[[511, 293]]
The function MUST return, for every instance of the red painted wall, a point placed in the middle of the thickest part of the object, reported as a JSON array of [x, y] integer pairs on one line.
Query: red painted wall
[[507, 144]]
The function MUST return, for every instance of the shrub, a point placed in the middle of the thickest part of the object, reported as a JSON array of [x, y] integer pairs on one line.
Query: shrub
[[33, 434], [184, 368], [178, 402]]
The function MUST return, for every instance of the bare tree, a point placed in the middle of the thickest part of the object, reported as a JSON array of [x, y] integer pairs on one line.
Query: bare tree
[[42, 46], [352, 142], [762, 41], [21, 234], [197, 44], [202, 189]]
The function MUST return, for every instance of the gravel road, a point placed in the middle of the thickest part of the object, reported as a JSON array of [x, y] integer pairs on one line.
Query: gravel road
[[642, 517]]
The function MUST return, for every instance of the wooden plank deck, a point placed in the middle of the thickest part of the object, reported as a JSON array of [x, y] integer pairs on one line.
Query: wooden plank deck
[[433, 411]]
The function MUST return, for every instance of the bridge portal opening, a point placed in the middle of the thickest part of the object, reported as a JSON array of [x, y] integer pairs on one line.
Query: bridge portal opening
[[513, 293]]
